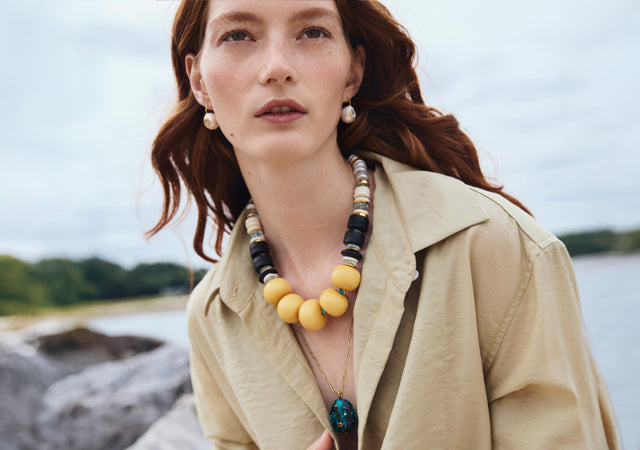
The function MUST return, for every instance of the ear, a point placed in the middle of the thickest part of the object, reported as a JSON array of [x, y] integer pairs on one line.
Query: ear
[[357, 73], [195, 80]]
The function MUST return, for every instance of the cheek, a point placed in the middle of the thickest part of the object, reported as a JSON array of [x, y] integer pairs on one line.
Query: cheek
[[332, 72], [227, 90], [222, 83], [228, 86]]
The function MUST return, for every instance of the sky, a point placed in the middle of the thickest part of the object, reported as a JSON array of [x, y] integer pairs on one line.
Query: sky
[[547, 91]]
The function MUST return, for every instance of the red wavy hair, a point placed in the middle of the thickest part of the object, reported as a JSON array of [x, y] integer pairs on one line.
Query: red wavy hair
[[393, 121]]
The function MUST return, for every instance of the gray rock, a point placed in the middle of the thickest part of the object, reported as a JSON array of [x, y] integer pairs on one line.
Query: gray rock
[[74, 349], [177, 430], [109, 405], [25, 375]]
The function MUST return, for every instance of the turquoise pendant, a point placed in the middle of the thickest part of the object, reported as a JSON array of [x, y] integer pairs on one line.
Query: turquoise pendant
[[343, 416]]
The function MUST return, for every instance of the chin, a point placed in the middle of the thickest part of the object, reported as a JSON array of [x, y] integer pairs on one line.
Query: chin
[[279, 149]]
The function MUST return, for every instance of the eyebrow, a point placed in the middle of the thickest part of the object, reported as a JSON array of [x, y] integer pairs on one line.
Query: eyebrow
[[235, 17], [315, 13]]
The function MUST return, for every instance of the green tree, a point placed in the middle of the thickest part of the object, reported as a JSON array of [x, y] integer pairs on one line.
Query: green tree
[[198, 275], [152, 279], [19, 291], [108, 280], [628, 241], [589, 242], [64, 280]]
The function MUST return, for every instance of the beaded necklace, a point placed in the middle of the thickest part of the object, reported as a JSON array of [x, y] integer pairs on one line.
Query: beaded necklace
[[312, 313]]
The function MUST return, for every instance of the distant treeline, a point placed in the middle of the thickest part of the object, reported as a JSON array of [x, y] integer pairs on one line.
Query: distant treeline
[[58, 282], [602, 241]]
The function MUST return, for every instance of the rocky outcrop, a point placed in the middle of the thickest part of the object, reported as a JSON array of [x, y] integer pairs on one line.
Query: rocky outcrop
[[83, 390], [24, 378], [73, 350], [178, 429], [123, 397]]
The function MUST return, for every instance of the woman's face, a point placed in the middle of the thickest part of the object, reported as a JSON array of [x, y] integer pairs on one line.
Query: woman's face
[[276, 74]]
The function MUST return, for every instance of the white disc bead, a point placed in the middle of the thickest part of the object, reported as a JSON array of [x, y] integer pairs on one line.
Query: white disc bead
[[362, 191], [350, 261], [252, 223], [269, 277]]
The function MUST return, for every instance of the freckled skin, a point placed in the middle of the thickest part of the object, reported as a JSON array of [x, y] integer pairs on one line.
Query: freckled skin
[[275, 57], [296, 52]]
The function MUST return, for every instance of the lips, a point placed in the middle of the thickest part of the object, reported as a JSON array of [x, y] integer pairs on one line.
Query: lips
[[284, 106], [280, 109]]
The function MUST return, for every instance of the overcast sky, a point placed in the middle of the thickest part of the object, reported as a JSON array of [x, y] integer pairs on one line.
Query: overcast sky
[[547, 90]]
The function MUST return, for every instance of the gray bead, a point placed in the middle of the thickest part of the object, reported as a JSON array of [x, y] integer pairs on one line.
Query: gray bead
[[270, 277], [257, 234]]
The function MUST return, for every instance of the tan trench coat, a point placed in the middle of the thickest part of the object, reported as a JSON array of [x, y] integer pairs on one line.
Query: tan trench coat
[[485, 349]]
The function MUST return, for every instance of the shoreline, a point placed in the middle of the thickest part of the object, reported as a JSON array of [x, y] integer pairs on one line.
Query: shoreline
[[78, 315]]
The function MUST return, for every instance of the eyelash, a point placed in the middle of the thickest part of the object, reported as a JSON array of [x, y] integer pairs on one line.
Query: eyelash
[[324, 32], [228, 36]]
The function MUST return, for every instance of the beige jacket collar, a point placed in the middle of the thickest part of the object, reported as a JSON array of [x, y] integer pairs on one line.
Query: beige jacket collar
[[412, 210]]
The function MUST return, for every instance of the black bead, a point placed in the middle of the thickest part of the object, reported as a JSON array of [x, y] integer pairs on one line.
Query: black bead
[[265, 273], [262, 260], [354, 237], [257, 248], [351, 253], [358, 222]]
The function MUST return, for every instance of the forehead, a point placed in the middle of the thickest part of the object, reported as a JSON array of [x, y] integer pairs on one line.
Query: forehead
[[222, 11]]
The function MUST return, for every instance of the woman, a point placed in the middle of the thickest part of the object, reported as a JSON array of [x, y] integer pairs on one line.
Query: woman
[[464, 329]]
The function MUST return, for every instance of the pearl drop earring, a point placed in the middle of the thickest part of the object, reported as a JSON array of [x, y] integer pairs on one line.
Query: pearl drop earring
[[348, 114], [210, 120]]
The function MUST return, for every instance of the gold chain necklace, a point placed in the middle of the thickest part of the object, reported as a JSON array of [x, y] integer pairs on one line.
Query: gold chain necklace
[[342, 415], [346, 363]]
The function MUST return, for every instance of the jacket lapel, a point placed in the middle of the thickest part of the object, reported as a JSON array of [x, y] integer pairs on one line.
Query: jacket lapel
[[242, 293], [387, 273], [277, 343], [412, 210]]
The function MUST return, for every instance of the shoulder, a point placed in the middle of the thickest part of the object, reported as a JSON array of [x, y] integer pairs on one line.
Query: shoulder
[[505, 215], [435, 207], [477, 243], [504, 249], [513, 261]]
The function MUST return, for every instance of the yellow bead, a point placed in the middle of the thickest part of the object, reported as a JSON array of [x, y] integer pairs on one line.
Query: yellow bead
[[310, 315], [333, 302], [275, 289], [345, 277], [288, 307]]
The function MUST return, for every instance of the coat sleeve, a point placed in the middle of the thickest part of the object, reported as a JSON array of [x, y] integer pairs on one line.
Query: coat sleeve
[[543, 386], [217, 418]]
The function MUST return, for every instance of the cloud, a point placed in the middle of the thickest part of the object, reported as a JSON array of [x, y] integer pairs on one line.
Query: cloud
[[85, 86]]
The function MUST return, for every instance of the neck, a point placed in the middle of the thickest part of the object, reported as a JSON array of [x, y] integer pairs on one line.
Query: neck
[[303, 206]]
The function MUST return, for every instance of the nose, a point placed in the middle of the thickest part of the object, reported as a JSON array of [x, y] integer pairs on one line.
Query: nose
[[278, 63]]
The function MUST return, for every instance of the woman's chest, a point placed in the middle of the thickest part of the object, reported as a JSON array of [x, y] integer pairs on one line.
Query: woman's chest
[[329, 353], [330, 358]]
